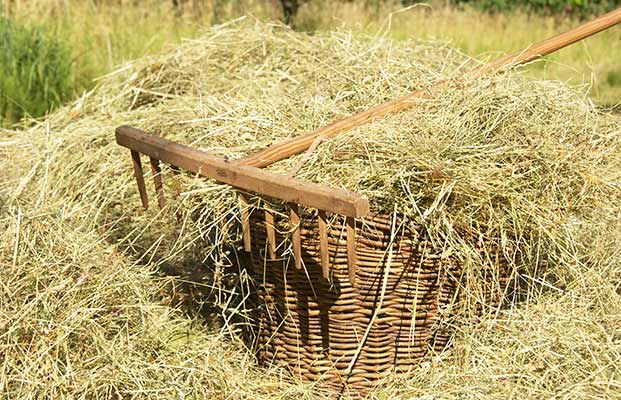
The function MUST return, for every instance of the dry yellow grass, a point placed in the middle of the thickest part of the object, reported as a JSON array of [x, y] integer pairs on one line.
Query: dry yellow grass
[[85, 314]]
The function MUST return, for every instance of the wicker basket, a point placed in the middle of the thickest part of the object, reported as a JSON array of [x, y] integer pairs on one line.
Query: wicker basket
[[327, 329]]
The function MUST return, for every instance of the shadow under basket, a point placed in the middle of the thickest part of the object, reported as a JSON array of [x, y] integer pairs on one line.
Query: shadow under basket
[[350, 336]]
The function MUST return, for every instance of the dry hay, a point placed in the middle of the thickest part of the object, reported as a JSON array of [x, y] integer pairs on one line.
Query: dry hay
[[532, 163]]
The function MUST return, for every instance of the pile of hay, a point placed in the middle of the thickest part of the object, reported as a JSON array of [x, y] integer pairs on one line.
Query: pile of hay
[[533, 164]]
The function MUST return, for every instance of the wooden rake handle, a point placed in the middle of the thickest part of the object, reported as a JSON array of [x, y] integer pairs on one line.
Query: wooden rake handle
[[299, 144]]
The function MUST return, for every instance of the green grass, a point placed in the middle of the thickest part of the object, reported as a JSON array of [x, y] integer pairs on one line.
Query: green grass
[[102, 34], [576, 7], [593, 61], [36, 71]]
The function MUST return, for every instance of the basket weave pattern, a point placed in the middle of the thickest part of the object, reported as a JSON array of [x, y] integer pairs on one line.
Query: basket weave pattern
[[385, 322]]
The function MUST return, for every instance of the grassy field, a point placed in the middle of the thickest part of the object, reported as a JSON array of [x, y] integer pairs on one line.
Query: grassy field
[[591, 62], [104, 34]]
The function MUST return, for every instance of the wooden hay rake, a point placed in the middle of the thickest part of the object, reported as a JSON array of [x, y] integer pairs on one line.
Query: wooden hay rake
[[293, 191], [364, 298]]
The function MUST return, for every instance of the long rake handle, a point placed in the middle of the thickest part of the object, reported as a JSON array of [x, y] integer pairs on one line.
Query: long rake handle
[[299, 144]]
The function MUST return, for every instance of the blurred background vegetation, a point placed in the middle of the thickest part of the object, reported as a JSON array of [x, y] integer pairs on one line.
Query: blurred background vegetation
[[53, 50], [36, 70], [576, 7]]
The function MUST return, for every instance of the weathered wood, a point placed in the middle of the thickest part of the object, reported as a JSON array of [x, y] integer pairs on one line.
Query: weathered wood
[[157, 182], [323, 243], [296, 238], [351, 248], [176, 190], [270, 231], [245, 222], [243, 177], [139, 174], [299, 144]]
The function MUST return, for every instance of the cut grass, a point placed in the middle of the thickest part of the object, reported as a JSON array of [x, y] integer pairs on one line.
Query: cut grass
[[532, 161], [103, 34], [487, 36]]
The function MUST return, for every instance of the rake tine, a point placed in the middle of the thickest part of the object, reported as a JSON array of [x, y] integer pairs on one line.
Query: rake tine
[[270, 231], [296, 237], [157, 182], [139, 174], [351, 249], [176, 191], [323, 243], [245, 221]]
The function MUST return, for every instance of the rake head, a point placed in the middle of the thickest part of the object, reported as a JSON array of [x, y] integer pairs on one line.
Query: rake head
[[294, 192]]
